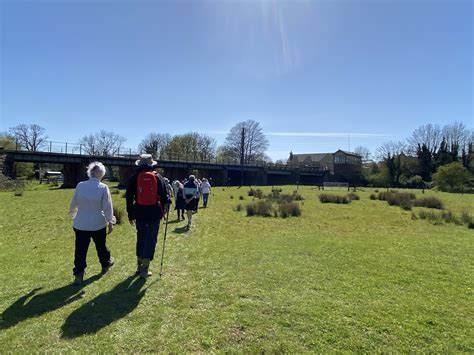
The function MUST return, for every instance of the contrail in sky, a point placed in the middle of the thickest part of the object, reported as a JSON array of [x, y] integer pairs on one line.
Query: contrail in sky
[[327, 134]]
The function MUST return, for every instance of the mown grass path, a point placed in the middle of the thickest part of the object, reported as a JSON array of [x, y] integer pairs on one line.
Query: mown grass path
[[357, 277]]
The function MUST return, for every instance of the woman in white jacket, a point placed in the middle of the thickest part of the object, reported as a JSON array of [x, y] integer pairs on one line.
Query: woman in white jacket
[[91, 208], [205, 190]]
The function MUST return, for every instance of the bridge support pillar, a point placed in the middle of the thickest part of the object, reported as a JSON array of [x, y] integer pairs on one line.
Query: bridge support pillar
[[262, 177], [124, 174], [6, 166], [73, 174]]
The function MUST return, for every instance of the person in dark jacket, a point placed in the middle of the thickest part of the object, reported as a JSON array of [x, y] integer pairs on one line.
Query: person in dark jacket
[[180, 203], [190, 195], [146, 217]]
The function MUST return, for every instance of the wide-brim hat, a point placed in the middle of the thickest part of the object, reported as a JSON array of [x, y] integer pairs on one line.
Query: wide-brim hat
[[146, 159]]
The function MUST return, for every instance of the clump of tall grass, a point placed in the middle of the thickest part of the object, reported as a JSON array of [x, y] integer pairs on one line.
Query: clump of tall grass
[[262, 208], [429, 202], [353, 196], [466, 217], [328, 198], [118, 213], [18, 193], [114, 191], [373, 196], [241, 197], [255, 193], [287, 209], [238, 208]]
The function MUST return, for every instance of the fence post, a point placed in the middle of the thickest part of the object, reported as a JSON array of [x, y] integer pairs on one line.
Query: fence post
[[80, 149], [66, 147], [50, 146]]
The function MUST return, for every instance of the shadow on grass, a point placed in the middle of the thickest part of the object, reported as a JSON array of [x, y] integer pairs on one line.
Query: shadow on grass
[[181, 230], [33, 305], [104, 309]]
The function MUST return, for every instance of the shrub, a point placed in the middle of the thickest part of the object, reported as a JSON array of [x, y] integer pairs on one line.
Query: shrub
[[256, 193], [470, 225], [251, 209], [264, 208], [429, 202], [328, 198], [118, 213], [402, 199], [449, 217], [429, 215], [451, 177], [466, 218], [260, 208], [353, 196], [373, 196], [297, 196], [289, 209]]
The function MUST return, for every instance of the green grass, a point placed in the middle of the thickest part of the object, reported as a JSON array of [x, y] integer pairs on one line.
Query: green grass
[[360, 277]]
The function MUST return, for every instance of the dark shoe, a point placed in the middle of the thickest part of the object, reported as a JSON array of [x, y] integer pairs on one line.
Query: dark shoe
[[79, 278], [144, 272], [108, 266]]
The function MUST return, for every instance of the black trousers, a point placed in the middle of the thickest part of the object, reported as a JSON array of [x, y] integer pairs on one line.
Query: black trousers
[[83, 239]]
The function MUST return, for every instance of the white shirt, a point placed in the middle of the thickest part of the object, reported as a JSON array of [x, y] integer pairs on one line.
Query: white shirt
[[91, 206], [205, 187]]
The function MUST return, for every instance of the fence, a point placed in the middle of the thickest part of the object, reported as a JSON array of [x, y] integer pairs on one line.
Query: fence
[[81, 150]]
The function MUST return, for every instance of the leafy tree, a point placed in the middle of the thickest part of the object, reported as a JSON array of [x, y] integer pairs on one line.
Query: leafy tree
[[452, 177], [192, 146], [7, 141], [29, 136], [246, 142], [425, 161], [103, 143]]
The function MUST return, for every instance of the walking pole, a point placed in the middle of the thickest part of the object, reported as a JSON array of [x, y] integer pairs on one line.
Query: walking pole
[[164, 241]]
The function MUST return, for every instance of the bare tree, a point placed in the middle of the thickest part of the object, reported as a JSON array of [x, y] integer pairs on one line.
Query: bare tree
[[246, 142], [363, 152], [392, 155], [103, 143], [31, 137], [457, 135], [430, 135], [153, 143]]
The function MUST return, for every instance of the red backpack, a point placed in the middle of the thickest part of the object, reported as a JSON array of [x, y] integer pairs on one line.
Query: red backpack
[[147, 188]]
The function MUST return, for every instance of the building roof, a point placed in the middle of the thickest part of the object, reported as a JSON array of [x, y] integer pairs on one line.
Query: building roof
[[309, 158], [348, 153]]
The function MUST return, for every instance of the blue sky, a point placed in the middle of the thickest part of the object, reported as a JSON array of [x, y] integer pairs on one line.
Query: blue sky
[[310, 72]]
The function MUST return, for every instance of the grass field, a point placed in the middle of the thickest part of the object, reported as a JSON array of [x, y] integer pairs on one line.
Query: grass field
[[359, 277]]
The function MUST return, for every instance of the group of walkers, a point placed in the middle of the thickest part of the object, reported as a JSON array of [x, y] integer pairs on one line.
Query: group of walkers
[[149, 197]]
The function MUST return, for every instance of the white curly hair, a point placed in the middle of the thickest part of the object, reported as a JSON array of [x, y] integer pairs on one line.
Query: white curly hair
[[96, 170]]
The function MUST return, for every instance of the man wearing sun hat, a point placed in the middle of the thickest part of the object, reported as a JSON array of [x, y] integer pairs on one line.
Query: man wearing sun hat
[[146, 200]]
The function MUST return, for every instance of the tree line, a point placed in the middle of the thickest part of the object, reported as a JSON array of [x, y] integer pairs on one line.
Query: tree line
[[245, 143], [430, 152]]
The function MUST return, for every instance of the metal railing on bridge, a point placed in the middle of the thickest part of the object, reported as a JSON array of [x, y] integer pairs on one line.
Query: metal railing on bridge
[[81, 150]]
